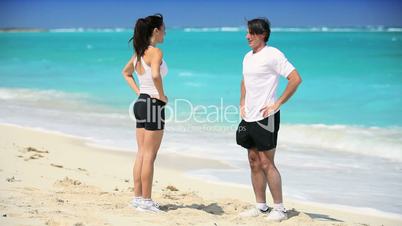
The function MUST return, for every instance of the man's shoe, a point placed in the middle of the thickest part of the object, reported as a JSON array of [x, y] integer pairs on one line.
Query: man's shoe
[[253, 212], [277, 215]]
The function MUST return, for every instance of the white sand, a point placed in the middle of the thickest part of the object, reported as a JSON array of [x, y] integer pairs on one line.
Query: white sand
[[51, 179]]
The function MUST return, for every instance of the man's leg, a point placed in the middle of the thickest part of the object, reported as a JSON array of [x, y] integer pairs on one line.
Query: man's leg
[[258, 177], [278, 213], [259, 182], [272, 174]]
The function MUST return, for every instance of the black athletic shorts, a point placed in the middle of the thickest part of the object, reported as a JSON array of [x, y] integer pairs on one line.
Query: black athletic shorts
[[149, 112], [262, 135]]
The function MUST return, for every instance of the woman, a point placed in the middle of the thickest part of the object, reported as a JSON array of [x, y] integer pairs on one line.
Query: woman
[[149, 66]]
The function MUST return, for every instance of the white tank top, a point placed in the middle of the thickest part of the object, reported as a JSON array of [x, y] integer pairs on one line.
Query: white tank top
[[146, 82]]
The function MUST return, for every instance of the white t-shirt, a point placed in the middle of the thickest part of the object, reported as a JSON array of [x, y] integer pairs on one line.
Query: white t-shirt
[[261, 72]]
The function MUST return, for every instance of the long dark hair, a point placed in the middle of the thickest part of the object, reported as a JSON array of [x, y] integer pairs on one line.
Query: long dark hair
[[143, 32]]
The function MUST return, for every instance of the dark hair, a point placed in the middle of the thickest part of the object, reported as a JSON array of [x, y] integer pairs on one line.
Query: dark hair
[[260, 26], [143, 32]]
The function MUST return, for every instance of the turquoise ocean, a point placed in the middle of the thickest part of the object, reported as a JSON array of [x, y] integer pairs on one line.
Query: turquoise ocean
[[340, 140]]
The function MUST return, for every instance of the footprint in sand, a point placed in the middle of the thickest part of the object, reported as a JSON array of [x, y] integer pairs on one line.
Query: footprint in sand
[[12, 179], [70, 185], [34, 156], [55, 165], [64, 222], [82, 169], [52, 223], [172, 188], [171, 193], [31, 153], [66, 182], [31, 149]]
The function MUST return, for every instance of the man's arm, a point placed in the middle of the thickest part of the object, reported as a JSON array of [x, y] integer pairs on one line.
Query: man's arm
[[242, 98], [294, 81]]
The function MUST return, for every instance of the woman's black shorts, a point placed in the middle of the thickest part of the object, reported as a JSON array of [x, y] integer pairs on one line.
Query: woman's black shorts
[[149, 112]]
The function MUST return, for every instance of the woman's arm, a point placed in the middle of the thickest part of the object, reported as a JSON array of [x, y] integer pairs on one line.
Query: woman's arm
[[156, 61], [128, 75]]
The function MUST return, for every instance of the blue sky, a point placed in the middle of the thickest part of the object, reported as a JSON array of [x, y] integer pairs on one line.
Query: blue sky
[[197, 13]]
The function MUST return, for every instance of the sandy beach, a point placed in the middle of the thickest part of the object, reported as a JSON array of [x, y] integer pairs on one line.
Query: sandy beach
[[53, 179]]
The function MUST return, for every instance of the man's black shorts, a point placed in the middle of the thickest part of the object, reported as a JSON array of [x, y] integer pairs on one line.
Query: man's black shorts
[[262, 135]]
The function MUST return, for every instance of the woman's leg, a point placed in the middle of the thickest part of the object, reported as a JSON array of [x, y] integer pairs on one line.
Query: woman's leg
[[152, 141], [138, 162]]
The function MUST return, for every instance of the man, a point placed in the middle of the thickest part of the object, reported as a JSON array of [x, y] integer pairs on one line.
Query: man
[[258, 131]]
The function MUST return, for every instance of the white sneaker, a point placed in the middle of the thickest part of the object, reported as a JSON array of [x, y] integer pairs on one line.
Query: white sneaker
[[253, 212], [277, 215], [136, 202], [149, 206]]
